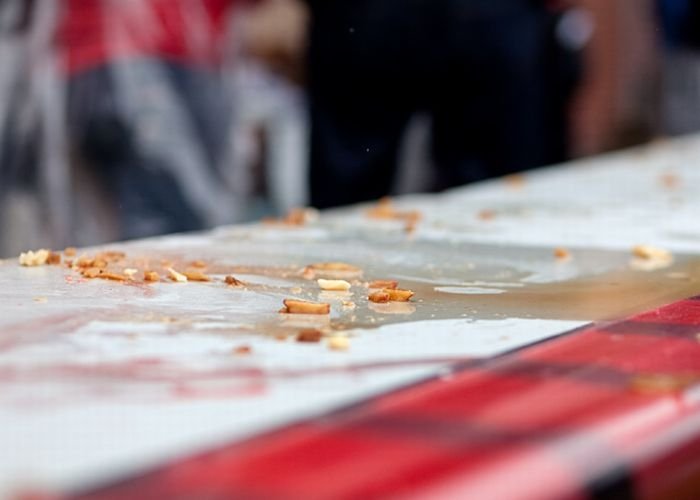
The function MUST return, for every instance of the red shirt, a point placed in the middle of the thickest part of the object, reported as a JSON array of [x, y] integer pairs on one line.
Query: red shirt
[[92, 32]]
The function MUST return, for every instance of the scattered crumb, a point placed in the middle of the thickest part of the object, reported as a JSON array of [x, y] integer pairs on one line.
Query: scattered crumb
[[90, 272], [70, 251], [242, 350], [650, 252], [281, 336], [31, 258], [562, 253], [333, 285], [130, 272], [649, 258], [233, 281], [309, 335], [486, 214], [53, 259], [514, 181], [175, 276], [151, 276], [669, 180], [349, 304], [112, 276], [199, 264], [295, 217], [384, 209], [397, 295], [40, 300], [194, 275], [338, 343], [379, 297], [296, 290], [293, 306]]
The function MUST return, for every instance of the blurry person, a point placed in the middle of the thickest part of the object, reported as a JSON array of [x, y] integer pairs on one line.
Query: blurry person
[[482, 69], [147, 111], [680, 79]]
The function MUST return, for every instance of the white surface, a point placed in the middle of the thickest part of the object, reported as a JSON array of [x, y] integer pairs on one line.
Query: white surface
[[100, 379]]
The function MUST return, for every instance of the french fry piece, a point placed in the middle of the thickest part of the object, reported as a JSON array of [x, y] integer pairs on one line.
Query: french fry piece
[[194, 275], [398, 295], [333, 285], [379, 297], [175, 276], [390, 284], [293, 306]]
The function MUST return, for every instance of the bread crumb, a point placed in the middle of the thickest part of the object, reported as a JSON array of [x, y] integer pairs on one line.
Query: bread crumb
[[309, 335], [242, 350], [486, 214], [397, 295], [130, 272], [53, 259], [561, 253], [233, 281], [293, 306], [338, 343], [379, 297], [175, 276], [333, 285], [32, 259], [194, 275], [151, 276]]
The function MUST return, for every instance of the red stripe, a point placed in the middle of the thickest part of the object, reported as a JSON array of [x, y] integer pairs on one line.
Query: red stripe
[[607, 410]]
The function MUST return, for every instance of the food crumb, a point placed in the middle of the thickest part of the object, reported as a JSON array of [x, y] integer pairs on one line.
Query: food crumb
[[379, 297], [232, 281], [242, 350], [338, 343], [333, 285], [53, 259], [309, 335], [70, 251], [130, 272], [486, 214], [151, 276], [293, 306], [175, 276], [561, 253], [40, 300], [31, 258]]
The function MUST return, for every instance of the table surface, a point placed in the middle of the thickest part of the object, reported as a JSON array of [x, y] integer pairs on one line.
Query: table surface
[[102, 380]]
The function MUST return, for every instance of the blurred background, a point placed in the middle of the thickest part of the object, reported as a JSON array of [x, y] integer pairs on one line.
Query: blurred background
[[122, 119]]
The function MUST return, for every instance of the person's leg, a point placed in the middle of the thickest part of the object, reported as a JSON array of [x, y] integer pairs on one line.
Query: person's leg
[[489, 103], [361, 95]]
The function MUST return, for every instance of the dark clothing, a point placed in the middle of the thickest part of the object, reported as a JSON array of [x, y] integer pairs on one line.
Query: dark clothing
[[477, 66]]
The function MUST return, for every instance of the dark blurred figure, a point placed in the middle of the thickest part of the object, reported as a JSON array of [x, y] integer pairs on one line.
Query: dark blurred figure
[[491, 73], [147, 110], [680, 81]]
